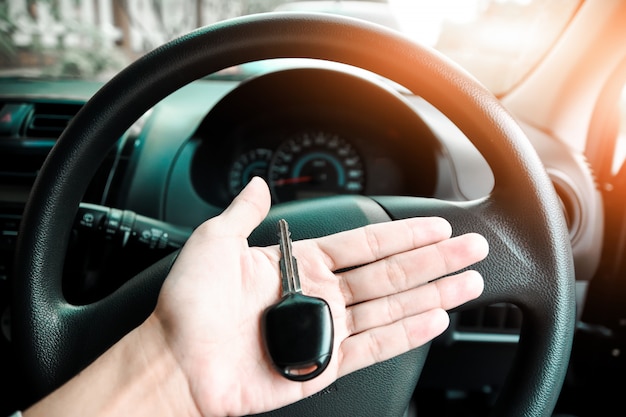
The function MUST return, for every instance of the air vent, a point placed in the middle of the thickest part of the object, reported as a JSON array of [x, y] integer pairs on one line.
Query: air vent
[[570, 203], [48, 120], [500, 318]]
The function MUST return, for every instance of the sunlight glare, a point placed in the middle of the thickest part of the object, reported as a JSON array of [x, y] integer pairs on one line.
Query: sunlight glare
[[422, 20]]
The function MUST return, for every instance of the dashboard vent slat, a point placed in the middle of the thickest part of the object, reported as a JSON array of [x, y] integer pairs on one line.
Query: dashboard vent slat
[[48, 120], [497, 318]]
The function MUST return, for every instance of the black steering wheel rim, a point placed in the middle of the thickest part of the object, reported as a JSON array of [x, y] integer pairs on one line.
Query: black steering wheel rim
[[530, 265]]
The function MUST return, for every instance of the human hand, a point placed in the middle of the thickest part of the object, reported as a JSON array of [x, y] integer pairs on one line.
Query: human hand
[[209, 310]]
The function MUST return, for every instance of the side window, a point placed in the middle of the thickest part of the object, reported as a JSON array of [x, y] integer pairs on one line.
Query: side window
[[607, 290], [620, 145]]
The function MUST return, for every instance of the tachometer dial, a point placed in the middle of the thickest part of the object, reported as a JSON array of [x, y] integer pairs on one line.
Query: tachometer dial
[[313, 164], [250, 164]]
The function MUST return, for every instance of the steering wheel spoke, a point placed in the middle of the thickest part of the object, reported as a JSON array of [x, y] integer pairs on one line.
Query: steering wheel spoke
[[516, 270]]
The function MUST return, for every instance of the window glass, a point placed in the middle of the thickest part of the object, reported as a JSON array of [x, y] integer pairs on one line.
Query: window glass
[[620, 145], [498, 41]]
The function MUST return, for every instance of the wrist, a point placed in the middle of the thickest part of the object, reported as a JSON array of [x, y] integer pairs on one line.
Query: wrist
[[138, 376], [162, 376]]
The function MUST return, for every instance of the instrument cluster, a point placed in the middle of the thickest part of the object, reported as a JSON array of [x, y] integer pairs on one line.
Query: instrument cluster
[[313, 133], [307, 164]]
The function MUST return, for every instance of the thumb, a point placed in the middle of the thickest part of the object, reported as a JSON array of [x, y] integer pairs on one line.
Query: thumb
[[248, 209]]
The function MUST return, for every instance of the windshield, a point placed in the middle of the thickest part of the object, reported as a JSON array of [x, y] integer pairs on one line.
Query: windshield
[[499, 41]]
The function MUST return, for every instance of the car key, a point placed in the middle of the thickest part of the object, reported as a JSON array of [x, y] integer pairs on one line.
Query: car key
[[298, 330]]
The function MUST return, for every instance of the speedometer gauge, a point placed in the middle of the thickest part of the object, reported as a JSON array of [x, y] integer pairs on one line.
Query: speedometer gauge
[[315, 164]]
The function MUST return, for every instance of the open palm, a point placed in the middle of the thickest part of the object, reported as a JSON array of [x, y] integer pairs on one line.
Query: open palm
[[211, 305]]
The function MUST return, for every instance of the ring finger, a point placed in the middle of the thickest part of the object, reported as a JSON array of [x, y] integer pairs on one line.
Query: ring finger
[[446, 293]]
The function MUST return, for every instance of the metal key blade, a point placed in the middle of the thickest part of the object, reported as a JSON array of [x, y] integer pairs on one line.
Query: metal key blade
[[288, 265]]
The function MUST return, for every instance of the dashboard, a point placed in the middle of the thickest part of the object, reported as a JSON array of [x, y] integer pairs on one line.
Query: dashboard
[[309, 130], [313, 136]]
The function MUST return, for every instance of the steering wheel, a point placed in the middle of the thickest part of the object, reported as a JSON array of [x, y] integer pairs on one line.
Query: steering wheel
[[530, 262]]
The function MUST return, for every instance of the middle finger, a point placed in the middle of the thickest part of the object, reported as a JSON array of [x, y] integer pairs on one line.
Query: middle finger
[[410, 269]]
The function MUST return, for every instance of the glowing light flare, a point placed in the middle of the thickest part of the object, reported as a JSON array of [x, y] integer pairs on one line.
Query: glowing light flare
[[620, 144], [503, 35], [498, 41], [423, 20]]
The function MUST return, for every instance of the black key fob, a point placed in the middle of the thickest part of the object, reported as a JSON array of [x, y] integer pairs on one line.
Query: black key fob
[[298, 333]]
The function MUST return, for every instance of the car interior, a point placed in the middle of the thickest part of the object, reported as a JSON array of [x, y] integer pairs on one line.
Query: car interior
[[511, 123]]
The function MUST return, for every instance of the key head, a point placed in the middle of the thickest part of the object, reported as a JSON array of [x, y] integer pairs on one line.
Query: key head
[[298, 333]]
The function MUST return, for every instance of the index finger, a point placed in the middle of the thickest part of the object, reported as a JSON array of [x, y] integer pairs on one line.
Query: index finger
[[377, 241]]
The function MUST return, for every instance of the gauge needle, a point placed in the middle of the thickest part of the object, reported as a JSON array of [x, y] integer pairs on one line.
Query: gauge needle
[[296, 180]]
